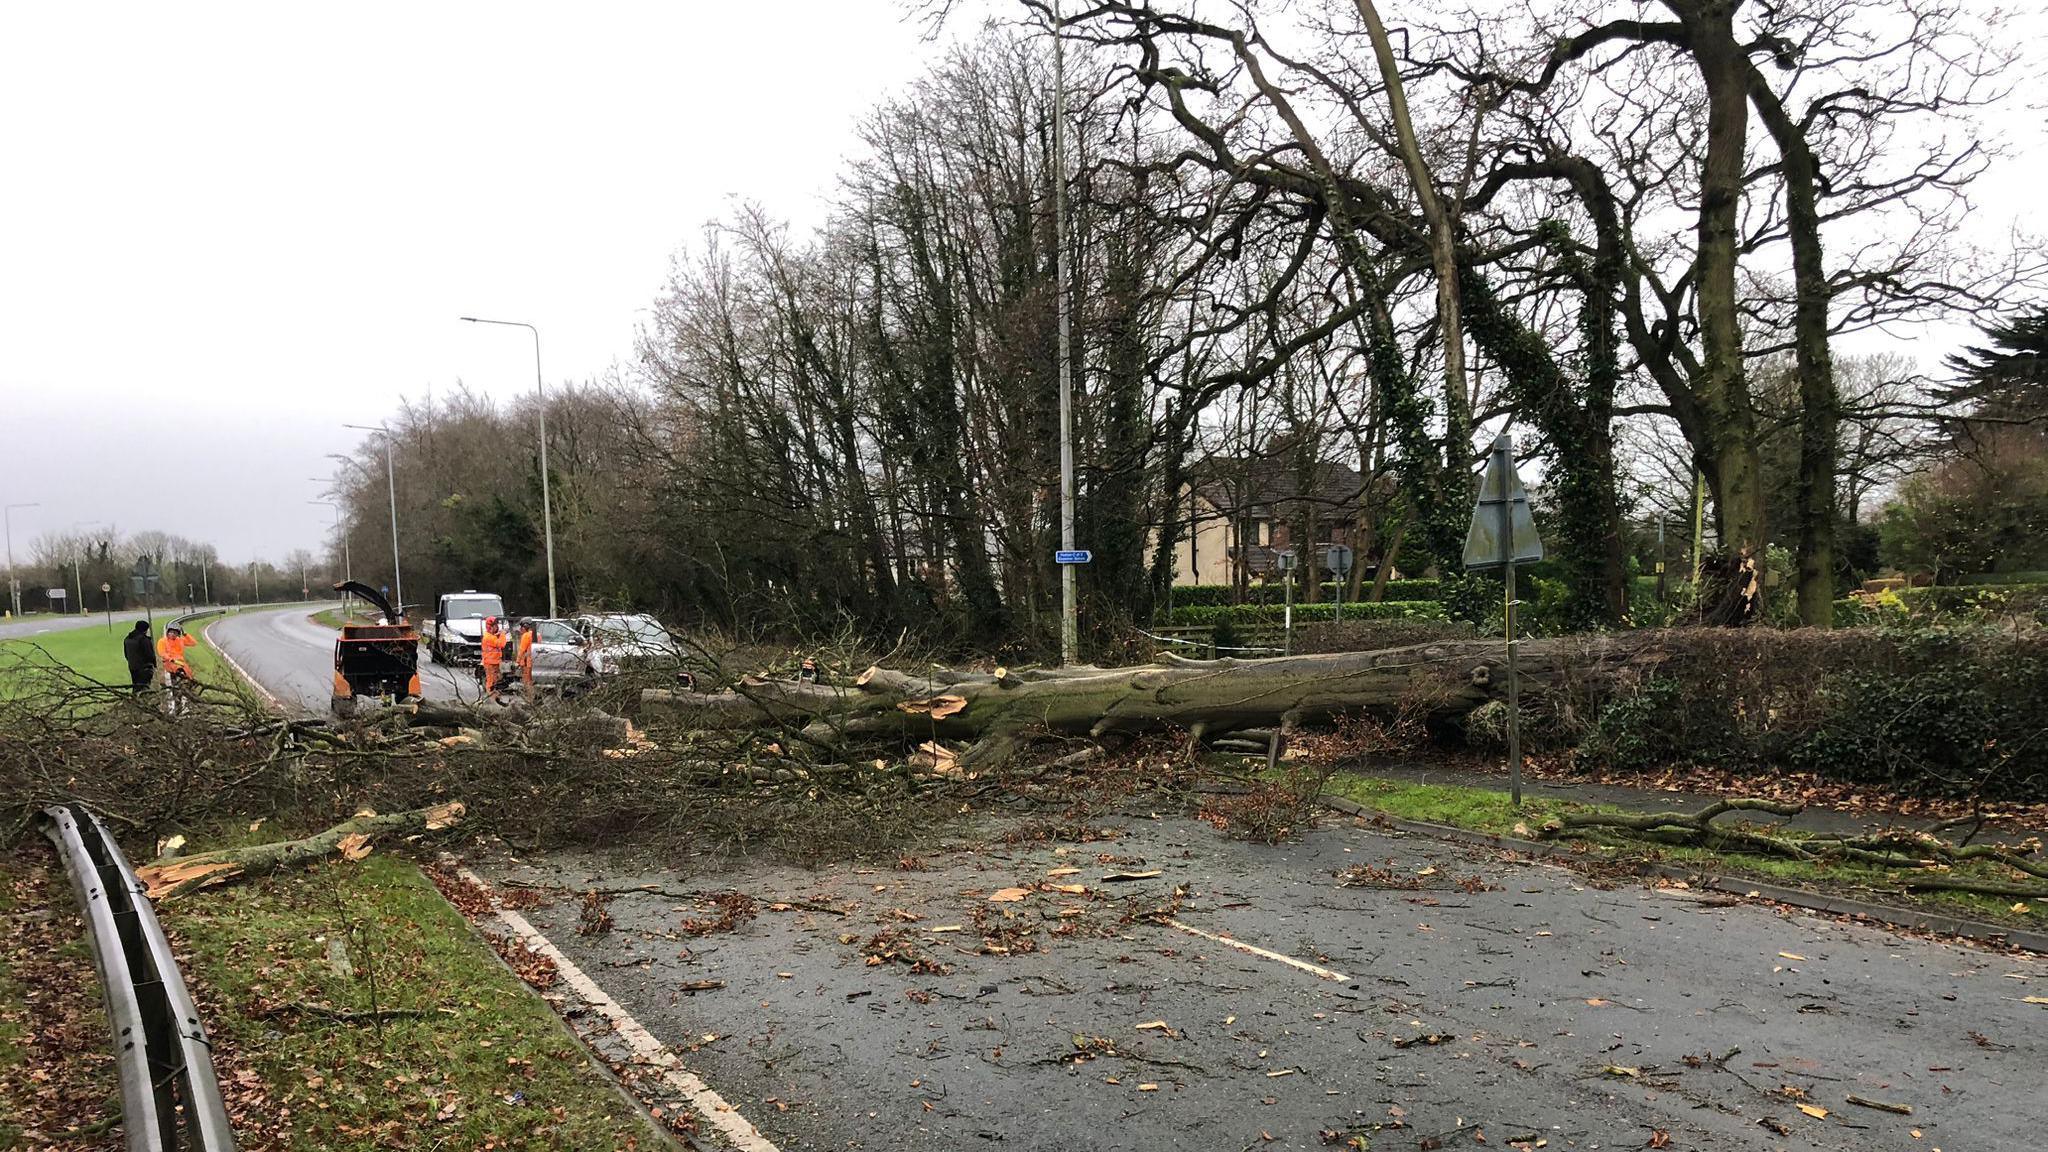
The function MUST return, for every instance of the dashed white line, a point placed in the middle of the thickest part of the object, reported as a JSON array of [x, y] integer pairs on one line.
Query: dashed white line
[[707, 1103]]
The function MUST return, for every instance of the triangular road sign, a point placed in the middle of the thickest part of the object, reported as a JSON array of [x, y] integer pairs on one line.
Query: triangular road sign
[[1501, 493]]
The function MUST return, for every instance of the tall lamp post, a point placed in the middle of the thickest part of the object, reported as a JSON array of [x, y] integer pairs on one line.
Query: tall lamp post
[[77, 569], [547, 510], [1069, 623], [391, 482], [13, 584], [348, 568]]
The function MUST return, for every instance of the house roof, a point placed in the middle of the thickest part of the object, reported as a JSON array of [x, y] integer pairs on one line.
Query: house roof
[[1272, 485]]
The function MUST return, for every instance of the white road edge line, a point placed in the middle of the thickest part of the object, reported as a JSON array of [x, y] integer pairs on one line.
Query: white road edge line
[[702, 1097], [1254, 949], [221, 650]]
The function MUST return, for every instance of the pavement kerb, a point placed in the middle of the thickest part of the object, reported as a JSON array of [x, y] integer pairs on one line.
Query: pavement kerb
[[1911, 919]]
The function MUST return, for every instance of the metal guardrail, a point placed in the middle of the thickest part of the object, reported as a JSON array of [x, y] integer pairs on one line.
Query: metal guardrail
[[170, 1100], [201, 614]]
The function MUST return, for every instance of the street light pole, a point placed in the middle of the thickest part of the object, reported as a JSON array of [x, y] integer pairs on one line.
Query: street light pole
[[7, 524], [547, 509], [348, 568], [391, 481], [1069, 623], [76, 568]]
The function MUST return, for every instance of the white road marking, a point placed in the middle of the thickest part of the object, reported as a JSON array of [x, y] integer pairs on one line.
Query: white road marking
[[221, 650], [1241, 946], [703, 1099]]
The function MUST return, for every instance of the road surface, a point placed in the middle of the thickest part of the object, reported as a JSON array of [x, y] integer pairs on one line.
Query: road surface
[[292, 658], [1478, 1002], [27, 627]]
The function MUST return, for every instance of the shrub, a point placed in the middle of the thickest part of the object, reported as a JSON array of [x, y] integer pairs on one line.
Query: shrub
[[1354, 635], [1243, 614], [1223, 595], [1952, 710]]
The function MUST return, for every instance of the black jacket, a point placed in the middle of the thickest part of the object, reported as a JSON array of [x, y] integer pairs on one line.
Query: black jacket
[[140, 652]]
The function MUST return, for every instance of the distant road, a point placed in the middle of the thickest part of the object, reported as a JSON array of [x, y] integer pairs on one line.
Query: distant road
[[31, 626], [293, 658]]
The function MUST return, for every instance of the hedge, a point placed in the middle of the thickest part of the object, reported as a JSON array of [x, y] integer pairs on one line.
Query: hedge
[[1244, 614], [1939, 709], [1224, 595], [1966, 602]]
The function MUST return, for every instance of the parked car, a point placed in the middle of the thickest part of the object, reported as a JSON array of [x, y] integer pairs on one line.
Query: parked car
[[619, 642], [457, 633], [559, 661]]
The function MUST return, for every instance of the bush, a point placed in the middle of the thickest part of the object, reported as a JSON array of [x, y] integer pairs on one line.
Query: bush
[[1243, 614], [1223, 595], [1371, 635], [1952, 710]]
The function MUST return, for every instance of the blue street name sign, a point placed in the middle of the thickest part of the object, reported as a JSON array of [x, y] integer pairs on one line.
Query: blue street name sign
[[1077, 556]]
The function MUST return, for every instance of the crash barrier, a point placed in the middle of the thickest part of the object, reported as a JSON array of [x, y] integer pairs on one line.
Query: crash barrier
[[170, 1100]]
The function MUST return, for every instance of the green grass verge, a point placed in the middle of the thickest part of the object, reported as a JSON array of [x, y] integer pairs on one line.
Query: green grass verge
[[334, 617], [92, 650], [466, 1057], [1486, 810]]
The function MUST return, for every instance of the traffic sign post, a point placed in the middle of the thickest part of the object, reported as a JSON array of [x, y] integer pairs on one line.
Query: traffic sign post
[[107, 597], [1503, 533], [1337, 558], [1286, 561]]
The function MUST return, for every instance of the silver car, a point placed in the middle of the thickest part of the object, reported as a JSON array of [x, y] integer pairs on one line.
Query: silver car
[[629, 641]]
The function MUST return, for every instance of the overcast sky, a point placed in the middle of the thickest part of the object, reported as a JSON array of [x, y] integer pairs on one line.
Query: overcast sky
[[226, 229]]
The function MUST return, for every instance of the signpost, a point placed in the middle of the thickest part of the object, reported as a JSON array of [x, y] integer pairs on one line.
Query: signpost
[[1337, 558], [146, 576], [107, 597], [1286, 561], [1503, 534]]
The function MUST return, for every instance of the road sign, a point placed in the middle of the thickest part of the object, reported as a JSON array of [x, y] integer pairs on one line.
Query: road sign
[[1503, 535], [106, 587], [1077, 556], [56, 593], [1495, 538], [1337, 558], [1286, 561]]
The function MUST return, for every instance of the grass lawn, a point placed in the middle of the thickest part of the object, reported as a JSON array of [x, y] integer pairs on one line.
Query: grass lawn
[[373, 1017], [334, 617], [95, 652], [1486, 810]]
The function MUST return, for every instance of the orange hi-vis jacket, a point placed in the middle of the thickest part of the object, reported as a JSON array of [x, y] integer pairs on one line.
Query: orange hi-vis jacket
[[494, 648], [170, 652], [525, 657]]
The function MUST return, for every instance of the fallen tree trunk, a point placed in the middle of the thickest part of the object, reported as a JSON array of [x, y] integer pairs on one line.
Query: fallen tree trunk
[[350, 838], [1211, 697]]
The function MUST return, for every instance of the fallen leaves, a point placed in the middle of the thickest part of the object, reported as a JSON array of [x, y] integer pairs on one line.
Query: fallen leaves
[[1008, 895]]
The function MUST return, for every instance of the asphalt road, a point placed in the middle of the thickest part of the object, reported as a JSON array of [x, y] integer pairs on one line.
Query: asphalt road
[[30, 626], [1493, 1002], [293, 659]]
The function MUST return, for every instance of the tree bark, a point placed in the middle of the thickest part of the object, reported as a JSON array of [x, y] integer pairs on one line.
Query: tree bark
[[1442, 680], [1819, 407], [175, 877]]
